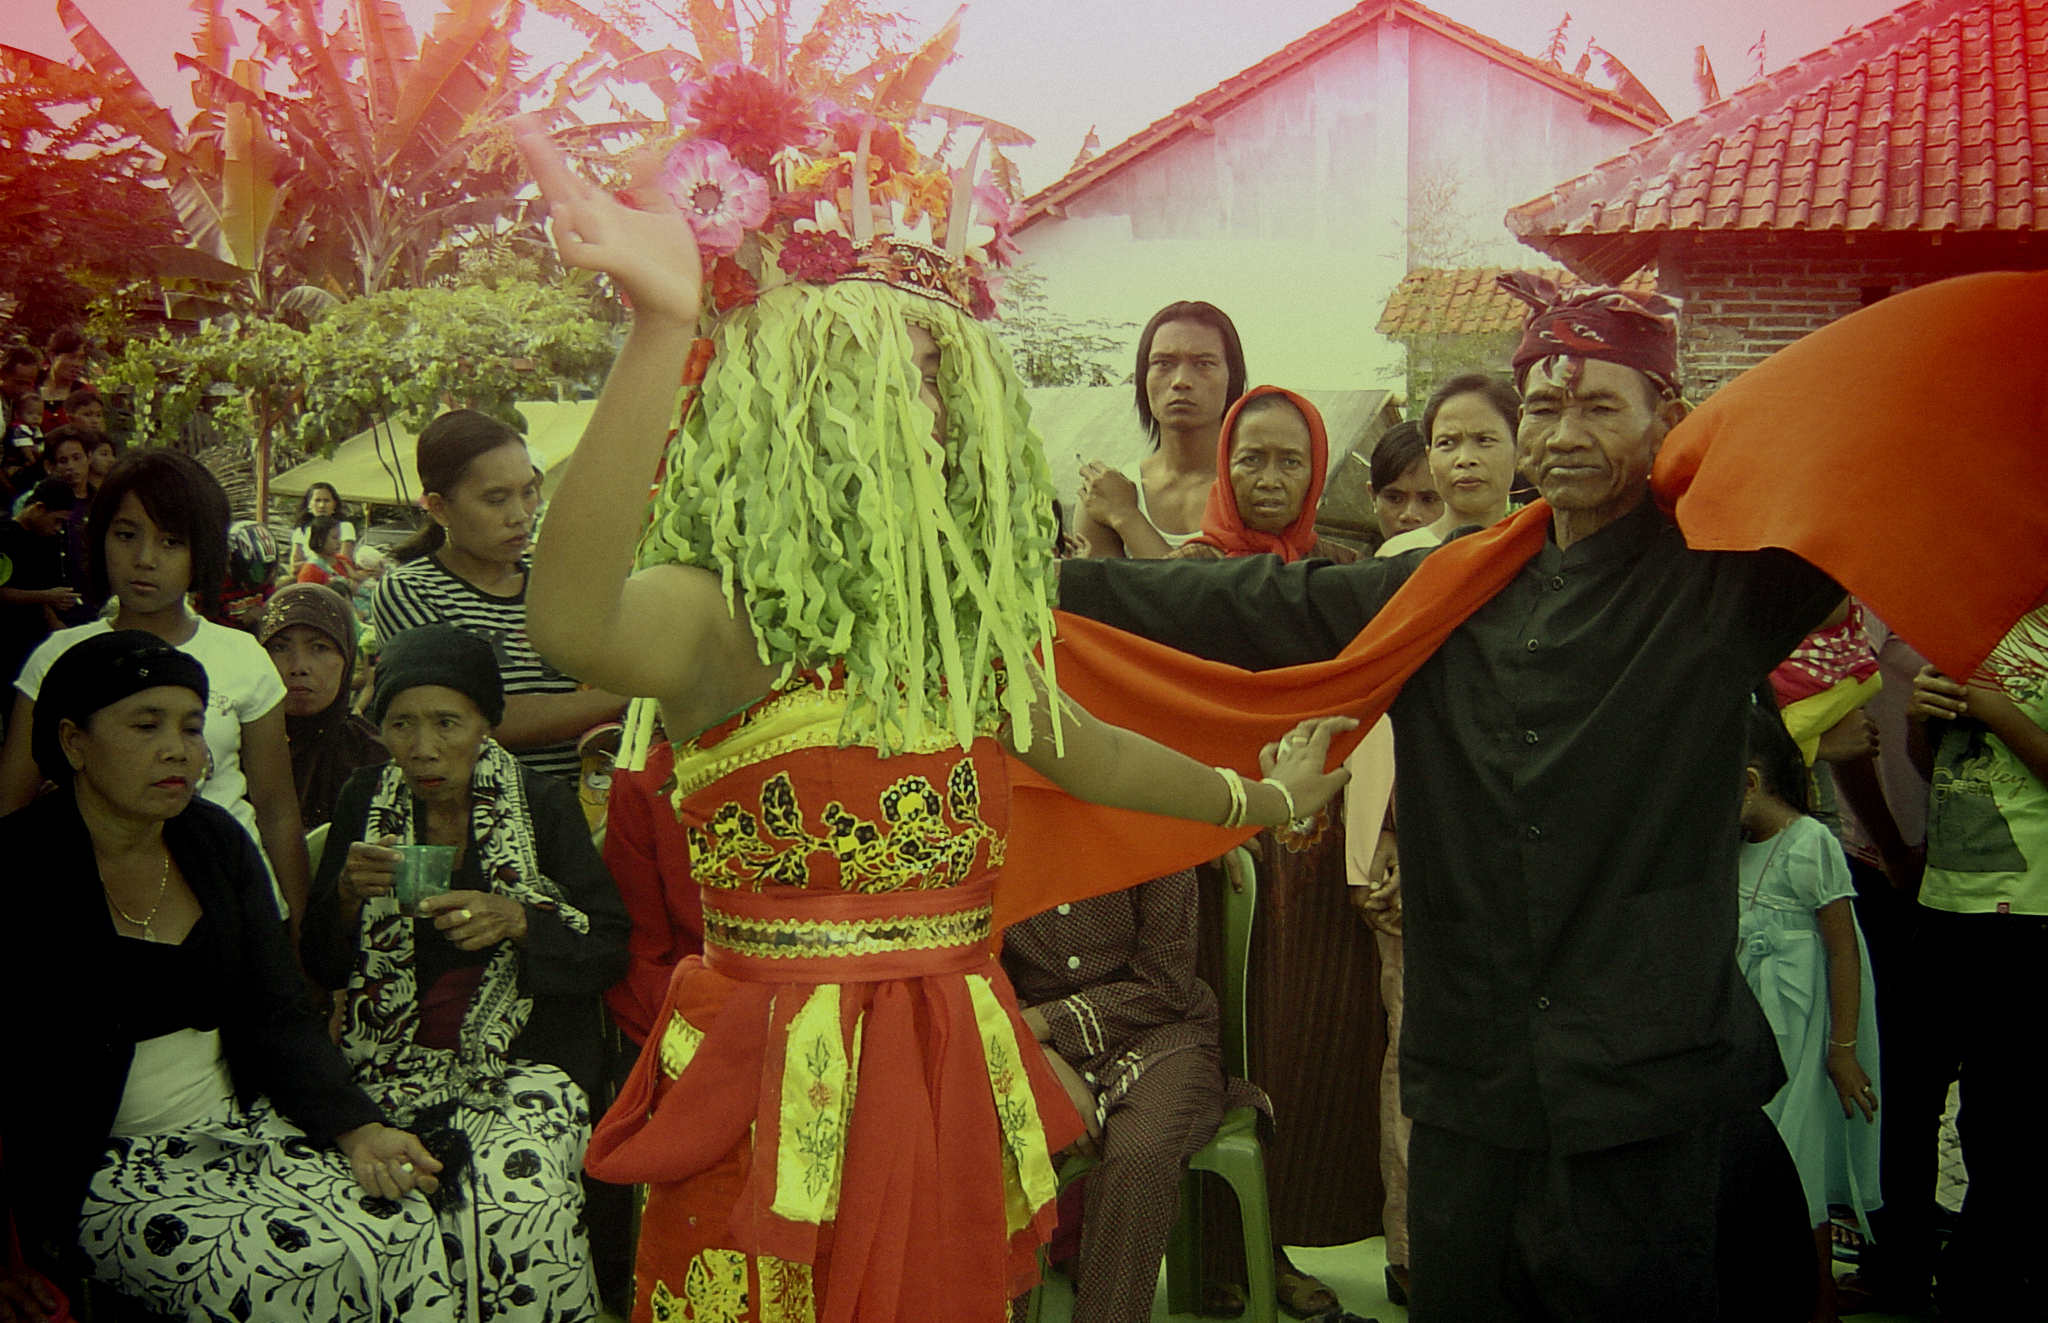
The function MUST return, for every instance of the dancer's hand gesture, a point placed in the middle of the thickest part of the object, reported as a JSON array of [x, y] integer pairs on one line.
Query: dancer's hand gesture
[[651, 254], [1296, 761]]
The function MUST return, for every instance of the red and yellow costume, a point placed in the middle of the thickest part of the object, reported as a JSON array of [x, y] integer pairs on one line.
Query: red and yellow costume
[[847, 923]]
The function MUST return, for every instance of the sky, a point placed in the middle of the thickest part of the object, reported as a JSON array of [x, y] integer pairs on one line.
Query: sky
[[1056, 68]]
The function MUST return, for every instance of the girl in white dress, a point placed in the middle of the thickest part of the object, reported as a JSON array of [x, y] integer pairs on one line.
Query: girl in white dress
[[1803, 957]]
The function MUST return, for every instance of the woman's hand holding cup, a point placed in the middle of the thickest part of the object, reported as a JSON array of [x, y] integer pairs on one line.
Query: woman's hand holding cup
[[371, 870]]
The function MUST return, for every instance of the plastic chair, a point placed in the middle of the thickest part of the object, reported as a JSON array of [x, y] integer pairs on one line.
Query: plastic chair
[[1235, 1154]]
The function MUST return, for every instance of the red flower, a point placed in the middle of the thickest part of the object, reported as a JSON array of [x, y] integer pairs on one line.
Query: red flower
[[885, 144], [732, 285], [817, 256], [786, 207], [755, 116]]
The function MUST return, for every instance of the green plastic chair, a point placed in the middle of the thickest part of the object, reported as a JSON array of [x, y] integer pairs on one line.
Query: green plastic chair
[[1235, 1154]]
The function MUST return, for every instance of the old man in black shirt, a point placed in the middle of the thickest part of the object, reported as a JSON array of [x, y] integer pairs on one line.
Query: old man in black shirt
[[1580, 1055]]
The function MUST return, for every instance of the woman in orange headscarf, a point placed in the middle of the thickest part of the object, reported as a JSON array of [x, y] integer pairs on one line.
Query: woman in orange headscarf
[[1272, 458], [1313, 1007]]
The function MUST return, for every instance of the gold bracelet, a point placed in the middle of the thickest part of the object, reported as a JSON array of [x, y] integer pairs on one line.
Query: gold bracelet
[[1235, 785], [1285, 794], [1833, 1043]]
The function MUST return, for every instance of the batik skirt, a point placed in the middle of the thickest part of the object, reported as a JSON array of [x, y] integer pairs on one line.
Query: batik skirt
[[243, 1217]]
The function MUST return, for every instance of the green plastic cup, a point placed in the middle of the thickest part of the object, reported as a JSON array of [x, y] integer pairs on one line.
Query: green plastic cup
[[423, 871]]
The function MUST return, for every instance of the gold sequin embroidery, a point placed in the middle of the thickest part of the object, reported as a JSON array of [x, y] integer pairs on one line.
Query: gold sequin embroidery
[[924, 840], [714, 1291], [679, 1044]]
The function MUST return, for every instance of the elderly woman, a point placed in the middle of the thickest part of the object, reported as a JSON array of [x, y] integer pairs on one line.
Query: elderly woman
[[478, 1015], [1312, 1013], [179, 1125], [310, 634]]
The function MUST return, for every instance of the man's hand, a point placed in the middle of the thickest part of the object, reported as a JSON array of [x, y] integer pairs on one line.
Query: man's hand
[[1088, 1145], [388, 1163], [1853, 738], [1379, 903], [25, 1297], [651, 254], [61, 598], [1107, 496], [474, 920]]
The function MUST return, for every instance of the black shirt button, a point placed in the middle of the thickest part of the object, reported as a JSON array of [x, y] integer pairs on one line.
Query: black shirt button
[[1528, 737], [1533, 834], [1556, 582], [1543, 1003], [1532, 645]]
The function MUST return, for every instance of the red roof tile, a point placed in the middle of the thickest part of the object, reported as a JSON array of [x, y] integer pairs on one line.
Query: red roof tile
[[1934, 117], [1196, 115], [1465, 301]]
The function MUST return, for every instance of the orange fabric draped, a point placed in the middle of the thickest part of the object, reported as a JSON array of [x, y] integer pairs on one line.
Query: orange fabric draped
[[1223, 526], [1828, 449]]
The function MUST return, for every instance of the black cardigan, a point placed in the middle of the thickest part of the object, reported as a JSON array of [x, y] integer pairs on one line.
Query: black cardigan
[[564, 972], [68, 1039]]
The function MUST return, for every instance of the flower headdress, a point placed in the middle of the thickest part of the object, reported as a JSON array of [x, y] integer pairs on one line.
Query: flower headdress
[[780, 188], [804, 471]]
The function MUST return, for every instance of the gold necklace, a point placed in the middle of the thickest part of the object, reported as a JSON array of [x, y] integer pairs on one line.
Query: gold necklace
[[147, 921]]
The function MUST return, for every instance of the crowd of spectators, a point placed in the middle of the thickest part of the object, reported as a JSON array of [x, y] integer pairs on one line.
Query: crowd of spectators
[[259, 1017]]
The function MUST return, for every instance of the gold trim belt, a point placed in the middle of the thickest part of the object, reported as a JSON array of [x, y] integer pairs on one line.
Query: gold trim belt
[[788, 935]]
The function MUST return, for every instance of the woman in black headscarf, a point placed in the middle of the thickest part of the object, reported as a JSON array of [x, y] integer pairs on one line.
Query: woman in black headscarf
[[310, 634], [176, 1126]]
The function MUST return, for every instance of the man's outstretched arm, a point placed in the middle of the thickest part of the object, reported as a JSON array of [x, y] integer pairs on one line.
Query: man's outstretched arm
[[1253, 612]]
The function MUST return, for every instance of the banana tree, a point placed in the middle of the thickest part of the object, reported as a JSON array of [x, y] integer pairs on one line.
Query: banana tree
[[337, 156]]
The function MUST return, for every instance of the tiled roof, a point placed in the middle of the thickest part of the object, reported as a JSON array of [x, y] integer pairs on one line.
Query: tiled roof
[[1465, 301], [1932, 118], [1197, 115]]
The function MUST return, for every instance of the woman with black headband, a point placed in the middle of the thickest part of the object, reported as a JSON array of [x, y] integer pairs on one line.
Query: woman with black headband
[[178, 1138]]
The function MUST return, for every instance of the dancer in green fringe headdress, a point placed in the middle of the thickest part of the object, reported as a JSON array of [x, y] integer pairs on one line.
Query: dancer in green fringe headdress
[[837, 597]]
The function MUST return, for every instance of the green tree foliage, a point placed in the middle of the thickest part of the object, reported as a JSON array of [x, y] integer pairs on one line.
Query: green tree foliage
[[344, 154], [77, 213], [1050, 349], [401, 355]]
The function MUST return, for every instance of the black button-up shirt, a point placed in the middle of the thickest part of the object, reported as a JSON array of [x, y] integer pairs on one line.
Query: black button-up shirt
[[1570, 767]]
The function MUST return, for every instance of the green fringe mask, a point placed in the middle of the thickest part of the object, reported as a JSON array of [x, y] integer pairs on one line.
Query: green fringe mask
[[807, 478]]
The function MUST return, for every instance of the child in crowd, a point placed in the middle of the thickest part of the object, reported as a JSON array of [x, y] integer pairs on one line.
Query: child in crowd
[[85, 408], [1803, 957], [324, 562], [320, 501], [25, 433]]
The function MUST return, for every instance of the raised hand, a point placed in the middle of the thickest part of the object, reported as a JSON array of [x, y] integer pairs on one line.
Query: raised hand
[[651, 254]]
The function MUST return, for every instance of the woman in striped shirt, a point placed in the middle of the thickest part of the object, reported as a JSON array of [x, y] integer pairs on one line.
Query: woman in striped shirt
[[467, 568]]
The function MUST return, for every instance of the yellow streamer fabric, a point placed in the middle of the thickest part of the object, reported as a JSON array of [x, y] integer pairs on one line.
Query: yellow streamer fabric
[[1814, 716], [1029, 1183], [817, 1103]]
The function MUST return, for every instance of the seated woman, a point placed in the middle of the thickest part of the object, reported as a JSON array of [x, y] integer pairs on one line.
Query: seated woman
[[187, 1132], [479, 1016], [310, 634]]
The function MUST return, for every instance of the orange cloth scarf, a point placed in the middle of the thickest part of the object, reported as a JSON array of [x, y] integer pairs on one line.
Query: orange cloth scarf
[[1223, 525], [1824, 449]]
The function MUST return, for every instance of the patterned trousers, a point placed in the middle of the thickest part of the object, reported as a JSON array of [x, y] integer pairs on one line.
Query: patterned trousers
[[1134, 1196]]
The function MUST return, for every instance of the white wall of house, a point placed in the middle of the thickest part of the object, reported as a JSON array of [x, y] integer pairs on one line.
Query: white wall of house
[[1293, 215]]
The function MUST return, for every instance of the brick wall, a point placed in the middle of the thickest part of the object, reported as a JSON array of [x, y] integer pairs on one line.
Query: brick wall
[[1748, 295]]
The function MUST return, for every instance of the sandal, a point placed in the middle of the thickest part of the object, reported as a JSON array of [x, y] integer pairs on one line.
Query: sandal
[[1221, 1301], [1295, 1290], [1397, 1284]]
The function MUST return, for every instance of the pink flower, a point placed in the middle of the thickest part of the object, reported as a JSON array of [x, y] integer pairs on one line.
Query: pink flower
[[721, 198]]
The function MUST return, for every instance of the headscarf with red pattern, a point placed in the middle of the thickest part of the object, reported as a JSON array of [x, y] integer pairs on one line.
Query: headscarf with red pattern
[[1638, 331]]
